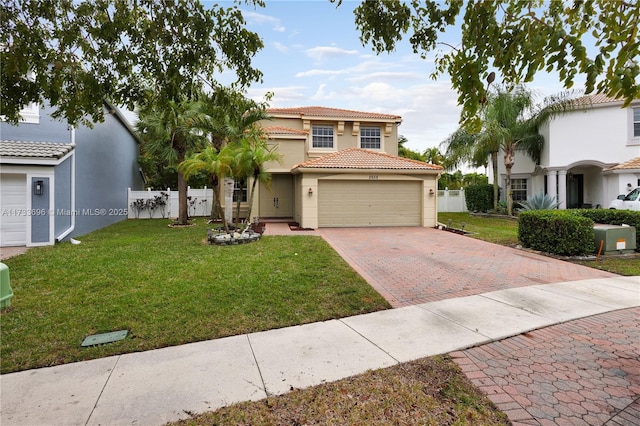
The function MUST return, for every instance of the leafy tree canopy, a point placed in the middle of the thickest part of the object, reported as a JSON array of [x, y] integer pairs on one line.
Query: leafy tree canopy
[[516, 39], [75, 54]]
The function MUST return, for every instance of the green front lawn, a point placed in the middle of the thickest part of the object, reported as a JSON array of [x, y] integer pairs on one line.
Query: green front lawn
[[167, 287], [504, 231]]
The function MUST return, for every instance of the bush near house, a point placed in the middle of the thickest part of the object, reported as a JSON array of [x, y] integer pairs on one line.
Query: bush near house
[[615, 217], [479, 198], [561, 232]]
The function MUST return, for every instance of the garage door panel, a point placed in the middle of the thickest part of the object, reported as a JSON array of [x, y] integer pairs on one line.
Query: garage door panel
[[366, 203], [13, 204]]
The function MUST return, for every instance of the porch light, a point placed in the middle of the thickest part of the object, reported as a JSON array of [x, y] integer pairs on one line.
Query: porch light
[[431, 191], [310, 191], [38, 187]]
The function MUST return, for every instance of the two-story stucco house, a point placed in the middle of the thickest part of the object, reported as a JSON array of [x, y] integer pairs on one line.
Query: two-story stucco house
[[590, 156], [57, 182], [340, 168]]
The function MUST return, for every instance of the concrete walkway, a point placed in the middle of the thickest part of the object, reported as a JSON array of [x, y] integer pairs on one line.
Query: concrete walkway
[[154, 387]]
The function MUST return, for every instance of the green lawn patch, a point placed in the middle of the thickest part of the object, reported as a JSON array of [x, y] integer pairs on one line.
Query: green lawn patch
[[167, 287], [504, 231]]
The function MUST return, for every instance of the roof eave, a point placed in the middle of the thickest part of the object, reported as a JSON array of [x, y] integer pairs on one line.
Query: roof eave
[[344, 170]]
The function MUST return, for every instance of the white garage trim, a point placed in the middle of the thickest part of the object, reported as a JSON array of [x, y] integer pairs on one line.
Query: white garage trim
[[27, 173], [13, 201], [346, 203]]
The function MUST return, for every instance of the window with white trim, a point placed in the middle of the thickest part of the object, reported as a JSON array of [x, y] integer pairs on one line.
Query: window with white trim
[[370, 137], [240, 190], [519, 189], [322, 136], [636, 122]]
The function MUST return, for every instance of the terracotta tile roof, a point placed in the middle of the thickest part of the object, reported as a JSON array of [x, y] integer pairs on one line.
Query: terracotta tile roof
[[362, 159], [28, 149], [595, 99], [634, 163], [279, 130], [318, 111]]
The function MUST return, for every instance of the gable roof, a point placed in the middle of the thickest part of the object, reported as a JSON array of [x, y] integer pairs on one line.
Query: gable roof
[[633, 164], [362, 159], [324, 112], [39, 150]]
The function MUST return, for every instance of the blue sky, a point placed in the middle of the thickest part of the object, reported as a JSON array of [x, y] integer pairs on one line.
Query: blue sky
[[313, 56]]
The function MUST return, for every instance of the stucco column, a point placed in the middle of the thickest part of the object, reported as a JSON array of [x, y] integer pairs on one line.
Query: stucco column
[[552, 183], [562, 189]]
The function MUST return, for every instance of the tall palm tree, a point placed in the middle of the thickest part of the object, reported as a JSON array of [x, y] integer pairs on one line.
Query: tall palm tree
[[230, 115], [252, 153], [171, 130], [508, 121]]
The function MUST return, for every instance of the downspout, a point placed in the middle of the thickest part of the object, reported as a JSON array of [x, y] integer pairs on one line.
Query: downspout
[[73, 188]]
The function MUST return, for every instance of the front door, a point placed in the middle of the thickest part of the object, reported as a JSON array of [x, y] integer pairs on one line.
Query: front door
[[277, 201], [575, 191]]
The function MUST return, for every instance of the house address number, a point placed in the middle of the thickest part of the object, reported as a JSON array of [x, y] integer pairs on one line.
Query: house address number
[[373, 177]]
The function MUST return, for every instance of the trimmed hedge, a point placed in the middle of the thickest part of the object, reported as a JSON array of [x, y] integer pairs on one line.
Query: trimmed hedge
[[479, 198], [569, 232], [562, 232]]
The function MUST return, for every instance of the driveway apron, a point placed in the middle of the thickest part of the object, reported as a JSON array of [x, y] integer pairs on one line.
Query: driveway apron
[[409, 266]]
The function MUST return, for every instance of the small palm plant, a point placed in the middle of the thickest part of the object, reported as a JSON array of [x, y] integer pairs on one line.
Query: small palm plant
[[539, 201]]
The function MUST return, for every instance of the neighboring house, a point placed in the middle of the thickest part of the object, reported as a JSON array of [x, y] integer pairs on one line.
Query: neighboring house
[[590, 156], [57, 182], [340, 168]]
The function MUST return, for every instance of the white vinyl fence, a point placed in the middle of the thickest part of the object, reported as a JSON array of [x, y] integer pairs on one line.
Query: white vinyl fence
[[451, 200], [164, 204]]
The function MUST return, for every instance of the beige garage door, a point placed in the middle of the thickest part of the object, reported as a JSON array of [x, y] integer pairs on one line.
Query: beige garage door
[[369, 203]]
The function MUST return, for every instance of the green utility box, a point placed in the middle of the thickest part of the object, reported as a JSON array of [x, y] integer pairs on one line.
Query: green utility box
[[615, 239], [6, 293]]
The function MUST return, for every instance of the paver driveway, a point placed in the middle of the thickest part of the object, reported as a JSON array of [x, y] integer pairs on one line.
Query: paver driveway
[[409, 266]]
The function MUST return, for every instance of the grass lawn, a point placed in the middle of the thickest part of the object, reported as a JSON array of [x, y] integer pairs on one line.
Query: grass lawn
[[429, 391], [505, 231], [168, 288]]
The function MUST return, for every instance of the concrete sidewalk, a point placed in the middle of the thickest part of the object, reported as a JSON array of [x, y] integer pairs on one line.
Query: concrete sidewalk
[[163, 385]]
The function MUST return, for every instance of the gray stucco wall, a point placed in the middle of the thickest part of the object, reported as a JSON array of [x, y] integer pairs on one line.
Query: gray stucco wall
[[47, 130], [40, 222], [106, 165], [62, 196]]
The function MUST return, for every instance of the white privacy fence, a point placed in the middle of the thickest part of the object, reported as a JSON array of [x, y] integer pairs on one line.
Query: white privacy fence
[[164, 204], [451, 200]]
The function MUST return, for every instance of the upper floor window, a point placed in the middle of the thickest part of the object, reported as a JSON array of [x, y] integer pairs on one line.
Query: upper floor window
[[370, 138], [636, 122], [322, 136]]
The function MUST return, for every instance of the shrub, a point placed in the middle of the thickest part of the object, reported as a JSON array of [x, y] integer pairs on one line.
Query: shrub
[[561, 232], [539, 201], [614, 217], [479, 198]]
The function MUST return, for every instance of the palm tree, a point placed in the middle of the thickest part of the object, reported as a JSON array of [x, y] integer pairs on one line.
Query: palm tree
[[252, 153], [230, 115], [218, 164], [170, 131], [474, 148]]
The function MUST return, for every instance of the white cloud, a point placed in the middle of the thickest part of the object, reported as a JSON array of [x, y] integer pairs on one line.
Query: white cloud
[[283, 96], [388, 75], [323, 53], [260, 19], [280, 47], [314, 73]]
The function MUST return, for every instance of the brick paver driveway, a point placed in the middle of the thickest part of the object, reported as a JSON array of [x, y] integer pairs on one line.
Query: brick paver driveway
[[409, 266], [583, 372]]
